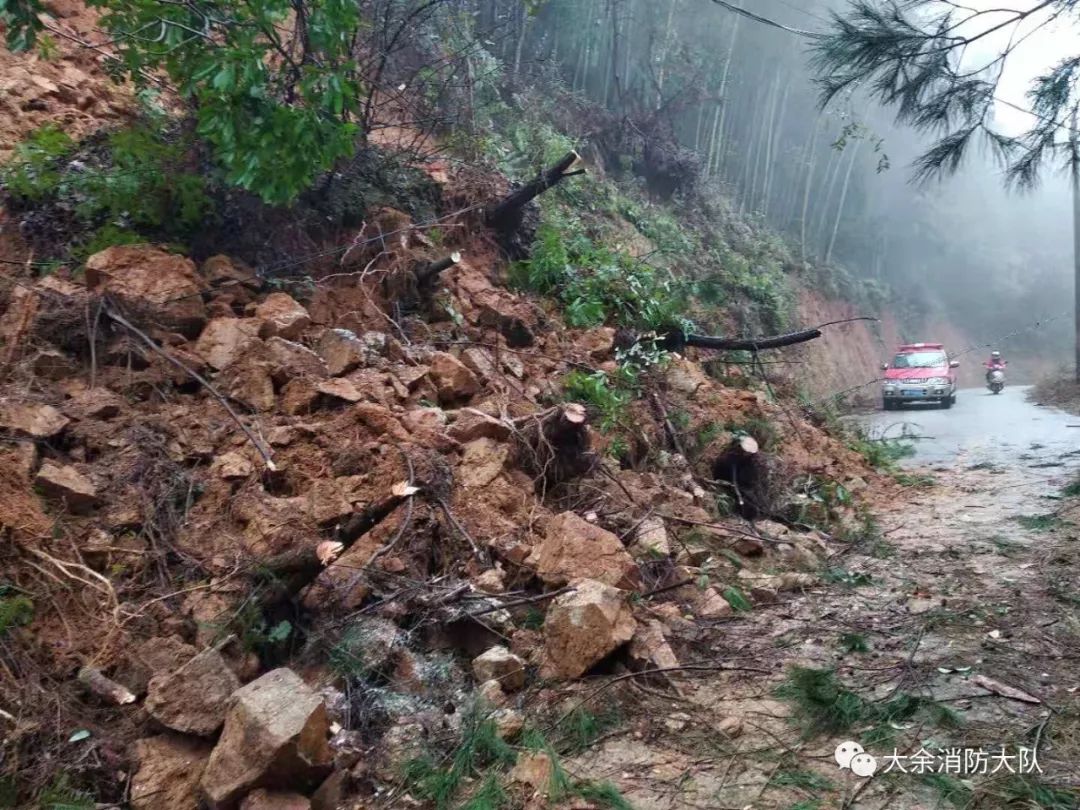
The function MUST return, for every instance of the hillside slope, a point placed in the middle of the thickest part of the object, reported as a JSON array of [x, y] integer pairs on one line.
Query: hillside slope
[[310, 531]]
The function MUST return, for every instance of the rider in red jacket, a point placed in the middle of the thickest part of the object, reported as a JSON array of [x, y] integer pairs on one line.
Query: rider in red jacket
[[995, 362]]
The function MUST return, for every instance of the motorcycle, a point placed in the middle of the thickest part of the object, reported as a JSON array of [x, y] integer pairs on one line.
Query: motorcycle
[[995, 380]]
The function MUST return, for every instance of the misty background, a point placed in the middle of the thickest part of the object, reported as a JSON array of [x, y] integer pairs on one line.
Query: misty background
[[737, 95]]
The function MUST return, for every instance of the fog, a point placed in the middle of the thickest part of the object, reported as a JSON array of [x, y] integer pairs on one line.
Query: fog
[[837, 183]]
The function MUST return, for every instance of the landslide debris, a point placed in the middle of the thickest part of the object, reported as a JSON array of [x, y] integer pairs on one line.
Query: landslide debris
[[318, 537]]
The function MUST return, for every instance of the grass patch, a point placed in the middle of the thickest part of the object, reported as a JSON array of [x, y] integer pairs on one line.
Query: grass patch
[[762, 430], [949, 788], [608, 396], [1071, 489], [916, 480], [597, 284], [1039, 523], [823, 705], [854, 643], [16, 609], [60, 795], [849, 579], [804, 780], [737, 599], [1005, 546], [881, 454], [1027, 791], [580, 729], [490, 796], [563, 786], [440, 781]]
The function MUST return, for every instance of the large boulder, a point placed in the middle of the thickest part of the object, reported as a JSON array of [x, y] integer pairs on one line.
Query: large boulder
[[193, 698], [163, 285], [282, 317], [65, 483], [33, 420], [275, 736], [573, 547], [167, 772], [584, 626]]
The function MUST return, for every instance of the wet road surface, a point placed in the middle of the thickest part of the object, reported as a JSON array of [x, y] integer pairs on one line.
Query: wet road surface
[[983, 428]]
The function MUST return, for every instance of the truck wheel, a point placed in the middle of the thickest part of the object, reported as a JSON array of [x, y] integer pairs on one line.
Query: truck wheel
[[888, 405], [948, 402]]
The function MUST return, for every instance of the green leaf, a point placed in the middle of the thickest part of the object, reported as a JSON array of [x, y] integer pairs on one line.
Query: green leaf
[[280, 631], [737, 599]]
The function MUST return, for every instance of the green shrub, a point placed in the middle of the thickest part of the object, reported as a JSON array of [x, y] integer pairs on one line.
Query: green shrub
[[33, 172], [145, 183], [122, 186], [610, 399], [597, 284], [16, 610]]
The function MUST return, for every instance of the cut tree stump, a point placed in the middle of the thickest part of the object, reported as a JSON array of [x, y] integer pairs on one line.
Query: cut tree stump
[[427, 273], [507, 215], [555, 443]]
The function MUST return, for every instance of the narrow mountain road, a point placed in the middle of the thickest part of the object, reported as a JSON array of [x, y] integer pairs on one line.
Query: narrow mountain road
[[949, 621], [982, 428]]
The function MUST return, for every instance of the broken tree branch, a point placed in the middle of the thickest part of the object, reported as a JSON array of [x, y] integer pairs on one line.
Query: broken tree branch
[[105, 688], [677, 340], [304, 564], [506, 215]]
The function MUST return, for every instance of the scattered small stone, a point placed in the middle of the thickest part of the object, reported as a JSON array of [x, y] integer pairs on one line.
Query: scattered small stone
[[499, 664], [492, 693], [650, 648], [651, 539], [232, 466], [94, 403], [54, 365], [508, 723], [533, 770]]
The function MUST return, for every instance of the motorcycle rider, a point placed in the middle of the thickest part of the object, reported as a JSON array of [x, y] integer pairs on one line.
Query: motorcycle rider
[[995, 363]]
